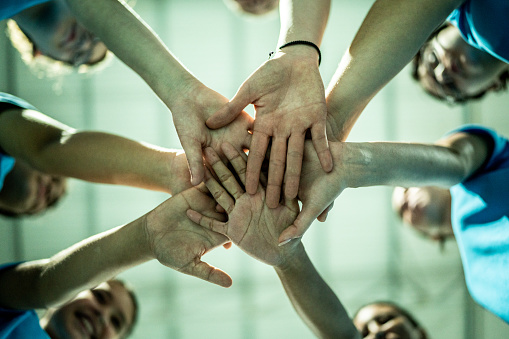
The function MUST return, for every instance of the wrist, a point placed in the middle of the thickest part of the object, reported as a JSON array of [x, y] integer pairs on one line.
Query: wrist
[[175, 88], [304, 54], [298, 45], [145, 235], [293, 256], [351, 163]]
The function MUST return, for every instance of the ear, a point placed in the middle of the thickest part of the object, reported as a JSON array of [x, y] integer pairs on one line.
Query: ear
[[498, 85]]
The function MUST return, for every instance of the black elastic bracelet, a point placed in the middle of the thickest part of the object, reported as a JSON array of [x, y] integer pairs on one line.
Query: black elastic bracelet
[[301, 42]]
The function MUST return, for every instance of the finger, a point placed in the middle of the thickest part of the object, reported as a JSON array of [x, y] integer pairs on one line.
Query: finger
[[207, 222], [321, 145], [249, 121], [194, 159], [299, 226], [226, 177], [203, 270], [220, 209], [294, 165], [276, 171], [219, 193], [237, 159], [322, 217], [259, 144], [230, 110]]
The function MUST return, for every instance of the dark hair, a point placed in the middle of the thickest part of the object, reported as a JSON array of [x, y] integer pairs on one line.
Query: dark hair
[[51, 204], [416, 61], [134, 300], [396, 307]]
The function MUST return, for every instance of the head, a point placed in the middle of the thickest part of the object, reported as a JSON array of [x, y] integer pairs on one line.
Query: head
[[27, 191], [381, 320], [426, 209], [450, 69], [106, 311], [254, 7], [49, 36]]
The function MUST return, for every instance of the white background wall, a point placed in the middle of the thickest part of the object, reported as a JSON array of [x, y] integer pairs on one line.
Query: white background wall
[[362, 251]]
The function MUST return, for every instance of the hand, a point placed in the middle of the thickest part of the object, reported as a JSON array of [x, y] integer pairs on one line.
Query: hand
[[251, 225], [189, 117], [288, 94], [180, 178], [317, 191], [178, 243]]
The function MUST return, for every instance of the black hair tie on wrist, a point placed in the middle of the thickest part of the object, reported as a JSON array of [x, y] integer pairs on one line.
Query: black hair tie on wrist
[[301, 42]]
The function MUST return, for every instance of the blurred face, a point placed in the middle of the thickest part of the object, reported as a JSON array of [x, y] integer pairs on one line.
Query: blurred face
[[257, 6], [27, 191], [427, 209], [106, 311], [55, 33], [452, 69], [384, 322]]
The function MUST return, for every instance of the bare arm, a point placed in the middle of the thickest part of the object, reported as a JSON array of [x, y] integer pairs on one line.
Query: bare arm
[[446, 163], [255, 228], [391, 34], [44, 283], [190, 102], [303, 20], [289, 98], [165, 234], [313, 299], [54, 148], [126, 34]]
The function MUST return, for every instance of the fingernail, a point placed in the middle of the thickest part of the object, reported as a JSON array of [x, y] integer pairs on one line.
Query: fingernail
[[284, 242]]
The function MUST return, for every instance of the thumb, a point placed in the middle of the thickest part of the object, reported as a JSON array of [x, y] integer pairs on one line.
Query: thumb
[[232, 109], [193, 151], [300, 225], [211, 274], [323, 216]]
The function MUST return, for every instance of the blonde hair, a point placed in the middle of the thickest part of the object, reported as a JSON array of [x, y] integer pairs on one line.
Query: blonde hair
[[43, 66]]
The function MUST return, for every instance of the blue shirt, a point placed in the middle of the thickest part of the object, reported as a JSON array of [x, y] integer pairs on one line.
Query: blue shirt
[[7, 162], [6, 165], [9, 8], [484, 24], [19, 324], [479, 215]]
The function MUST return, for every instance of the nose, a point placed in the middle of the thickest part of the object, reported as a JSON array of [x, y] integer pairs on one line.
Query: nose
[[86, 41], [375, 331], [440, 73]]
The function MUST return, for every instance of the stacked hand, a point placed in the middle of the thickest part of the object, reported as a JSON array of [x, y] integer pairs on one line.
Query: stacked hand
[[251, 225], [179, 243], [288, 94], [317, 190], [189, 116]]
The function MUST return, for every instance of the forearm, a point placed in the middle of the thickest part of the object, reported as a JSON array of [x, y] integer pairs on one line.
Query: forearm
[[303, 20], [313, 299], [106, 158], [407, 164], [136, 44], [391, 34], [57, 149], [44, 283]]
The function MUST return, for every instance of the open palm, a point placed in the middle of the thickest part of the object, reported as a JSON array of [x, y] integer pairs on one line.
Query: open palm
[[179, 243], [251, 225], [189, 118]]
